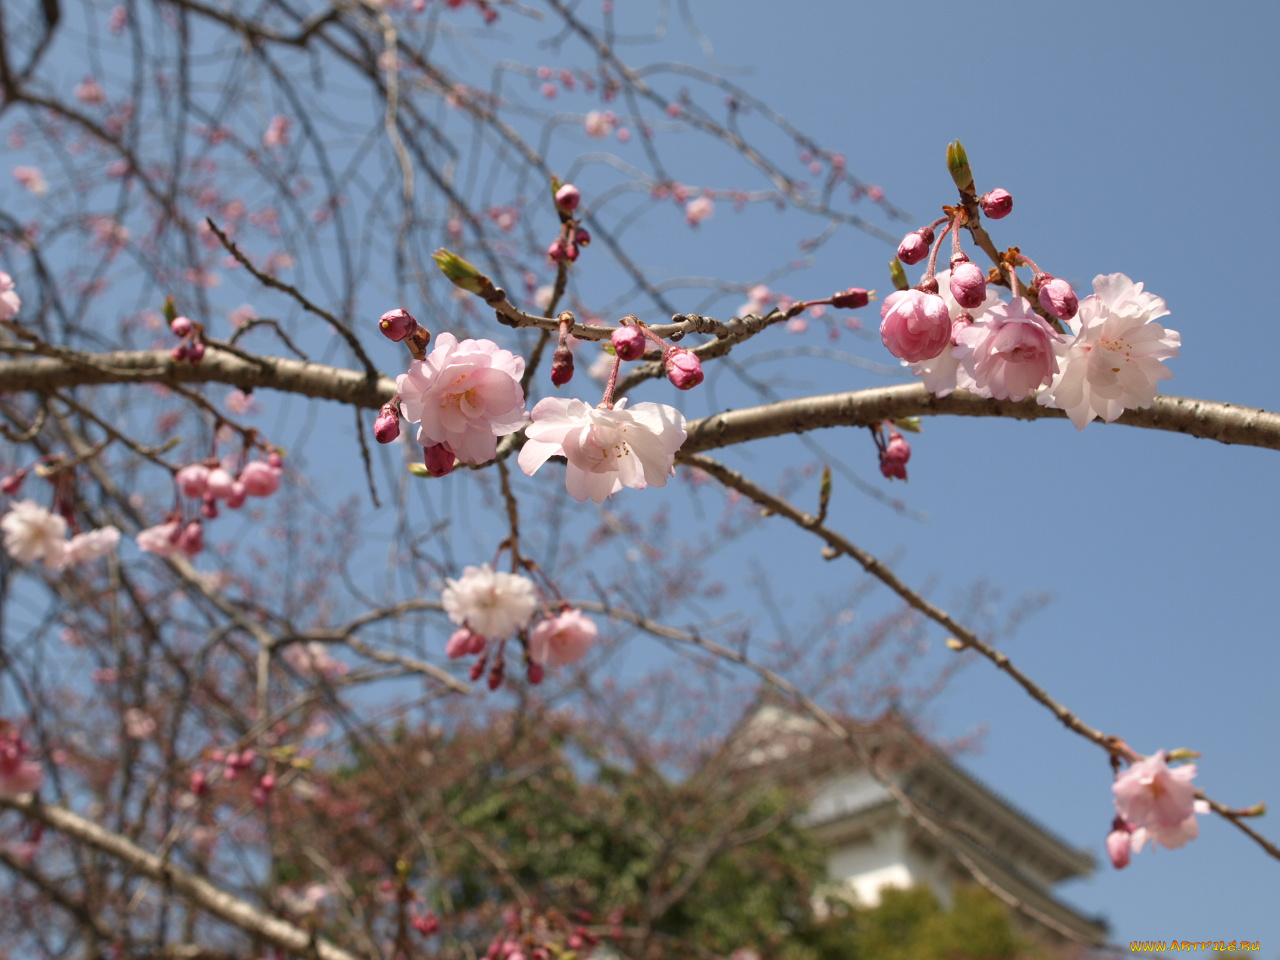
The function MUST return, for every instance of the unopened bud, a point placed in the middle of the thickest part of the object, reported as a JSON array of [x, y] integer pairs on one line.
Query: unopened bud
[[851, 299], [387, 427], [181, 326], [581, 237], [199, 783], [193, 479], [179, 352], [893, 459], [958, 167], [571, 252], [209, 508], [562, 366], [629, 342], [557, 251], [968, 285], [397, 324], [192, 541], [236, 498], [465, 276], [684, 369], [997, 204], [568, 198], [218, 483], [535, 673], [13, 482], [914, 247], [195, 352], [1057, 297], [439, 459], [1119, 844], [267, 783]]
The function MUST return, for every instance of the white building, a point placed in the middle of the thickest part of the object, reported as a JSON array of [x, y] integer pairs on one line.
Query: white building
[[873, 843]]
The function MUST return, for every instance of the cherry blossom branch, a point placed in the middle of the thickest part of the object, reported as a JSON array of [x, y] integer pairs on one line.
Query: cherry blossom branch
[[197, 890], [963, 636]]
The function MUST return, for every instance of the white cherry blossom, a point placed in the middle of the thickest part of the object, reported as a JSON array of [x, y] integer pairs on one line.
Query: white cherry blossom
[[493, 604]]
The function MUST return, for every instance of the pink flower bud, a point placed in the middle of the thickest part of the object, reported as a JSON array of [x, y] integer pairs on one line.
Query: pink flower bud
[[968, 285], [192, 541], [267, 783], [274, 460], [246, 759], [209, 509], [179, 352], [684, 369], [629, 342], [13, 482], [195, 352], [893, 459], [218, 483], [557, 251], [260, 479], [439, 459], [851, 299], [1057, 297], [997, 204], [193, 479], [1119, 848], [536, 672], [568, 198], [461, 642], [181, 326], [397, 324], [914, 326], [562, 366], [387, 427], [581, 237], [915, 245], [236, 498], [571, 252], [199, 783]]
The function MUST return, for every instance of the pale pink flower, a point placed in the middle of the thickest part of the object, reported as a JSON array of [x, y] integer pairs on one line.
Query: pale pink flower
[[491, 603], [32, 179], [599, 123], [1119, 846], [562, 639], [164, 539], [138, 724], [1159, 802], [914, 325], [465, 395], [240, 403], [313, 660], [1116, 358], [33, 533], [1009, 353], [90, 546], [242, 315], [698, 209], [89, 92], [277, 132], [606, 449], [17, 774], [193, 479], [9, 301], [260, 478]]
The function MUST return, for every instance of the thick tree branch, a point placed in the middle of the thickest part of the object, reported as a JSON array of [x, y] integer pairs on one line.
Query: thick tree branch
[[197, 890], [1207, 419]]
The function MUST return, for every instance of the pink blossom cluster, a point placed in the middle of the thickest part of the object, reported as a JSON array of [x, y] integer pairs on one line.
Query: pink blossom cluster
[[1154, 803], [210, 482], [10, 303], [17, 773], [33, 533]]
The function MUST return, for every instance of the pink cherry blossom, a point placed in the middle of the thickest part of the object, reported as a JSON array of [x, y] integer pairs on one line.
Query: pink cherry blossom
[[465, 395], [89, 546], [32, 179], [17, 774], [10, 304], [138, 724], [894, 457], [89, 92], [1116, 358], [164, 539], [277, 132], [698, 209], [193, 479], [492, 604], [562, 639], [606, 449], [313, 660], [260, 479], [33, 533], [914, 326], [1159, 802], [1009, 353], [599, 124]]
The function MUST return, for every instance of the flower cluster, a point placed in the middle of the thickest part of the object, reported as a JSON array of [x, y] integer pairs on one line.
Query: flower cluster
[[10, 303], [17, 773], [33, 533], [1154, 803]]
